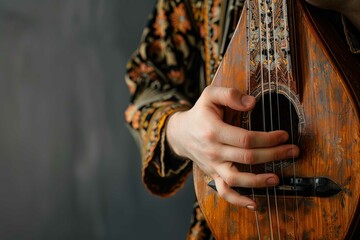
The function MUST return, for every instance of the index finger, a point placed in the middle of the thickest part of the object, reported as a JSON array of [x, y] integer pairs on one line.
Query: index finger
[[243, 138]]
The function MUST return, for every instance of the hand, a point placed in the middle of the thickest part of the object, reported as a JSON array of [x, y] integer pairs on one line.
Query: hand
[[349, 8], [201, 135]]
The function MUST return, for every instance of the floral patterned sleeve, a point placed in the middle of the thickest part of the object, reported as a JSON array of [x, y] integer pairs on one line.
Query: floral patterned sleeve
[[162, 77]]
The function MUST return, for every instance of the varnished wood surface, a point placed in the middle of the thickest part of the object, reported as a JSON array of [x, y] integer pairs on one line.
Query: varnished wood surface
[[330, 147]]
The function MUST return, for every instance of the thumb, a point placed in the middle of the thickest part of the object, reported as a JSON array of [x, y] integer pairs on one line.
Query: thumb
[[228, 97]]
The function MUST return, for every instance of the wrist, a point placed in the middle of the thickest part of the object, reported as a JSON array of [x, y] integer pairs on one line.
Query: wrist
[[172, 134]]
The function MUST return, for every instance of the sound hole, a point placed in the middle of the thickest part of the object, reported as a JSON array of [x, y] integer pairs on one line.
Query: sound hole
[[275, 112], [272, 112]]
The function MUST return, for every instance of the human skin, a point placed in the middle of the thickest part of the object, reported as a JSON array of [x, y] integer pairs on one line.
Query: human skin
[[201, 135]]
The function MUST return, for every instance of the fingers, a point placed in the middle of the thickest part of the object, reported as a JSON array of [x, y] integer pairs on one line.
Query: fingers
[[232, 177], [239, 137], [214, 97], [255, 156], [229, 176], [220, 145], [228, 97], [231, 196]]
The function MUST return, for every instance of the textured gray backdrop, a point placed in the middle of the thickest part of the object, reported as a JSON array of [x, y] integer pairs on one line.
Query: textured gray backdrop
[[68, 166]]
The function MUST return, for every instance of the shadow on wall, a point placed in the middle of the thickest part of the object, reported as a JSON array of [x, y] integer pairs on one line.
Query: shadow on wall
[[68, 166]]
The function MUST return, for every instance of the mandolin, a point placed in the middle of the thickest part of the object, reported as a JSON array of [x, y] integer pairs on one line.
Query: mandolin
[[305, 82]]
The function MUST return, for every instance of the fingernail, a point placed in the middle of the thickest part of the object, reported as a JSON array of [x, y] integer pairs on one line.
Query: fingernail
[[251, 207], [247, 100], [271, 181]]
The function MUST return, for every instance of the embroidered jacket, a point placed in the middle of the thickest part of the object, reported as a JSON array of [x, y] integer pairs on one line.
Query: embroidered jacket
[[164, 76]]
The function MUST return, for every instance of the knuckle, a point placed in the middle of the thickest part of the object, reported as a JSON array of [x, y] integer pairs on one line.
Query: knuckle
[[249, 157], [231, 180], [209, 134], [276, 156], [212, 155], [233, 92], [223, 193], [207, 90], [203, 99], [254, 182], [227, 92], [230, 93], [245, 140]]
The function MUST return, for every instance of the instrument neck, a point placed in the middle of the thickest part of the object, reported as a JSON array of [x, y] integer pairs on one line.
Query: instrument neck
[[269, 46]]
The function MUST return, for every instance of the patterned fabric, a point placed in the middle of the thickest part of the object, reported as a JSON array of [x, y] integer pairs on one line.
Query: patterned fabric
[[198, 227], [162, 80], [164, 77]]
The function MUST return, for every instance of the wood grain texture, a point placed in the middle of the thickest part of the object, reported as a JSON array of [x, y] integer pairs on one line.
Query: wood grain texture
[[329, 146]]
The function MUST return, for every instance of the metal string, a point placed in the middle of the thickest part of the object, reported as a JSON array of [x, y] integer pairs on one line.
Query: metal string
[[270, 35], [288, 65], [290, 110], [260, 3], [264, 7], [276, 62]]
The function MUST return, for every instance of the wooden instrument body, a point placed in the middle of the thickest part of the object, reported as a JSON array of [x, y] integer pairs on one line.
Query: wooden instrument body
[[329, 147]]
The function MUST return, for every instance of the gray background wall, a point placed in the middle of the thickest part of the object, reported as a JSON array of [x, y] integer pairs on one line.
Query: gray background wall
[[68, 166]]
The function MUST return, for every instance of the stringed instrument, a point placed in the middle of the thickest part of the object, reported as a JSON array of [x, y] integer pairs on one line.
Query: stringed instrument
[[306, 82]]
